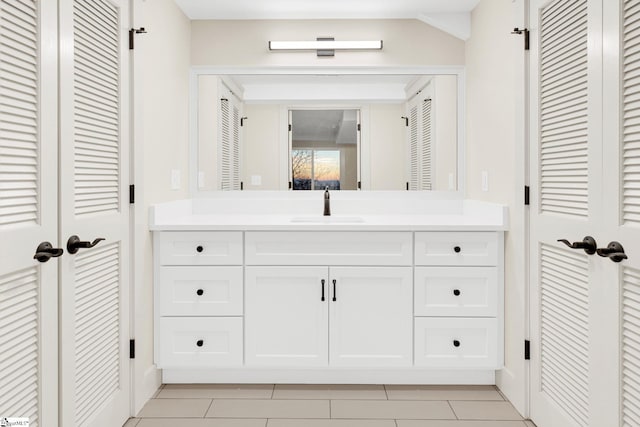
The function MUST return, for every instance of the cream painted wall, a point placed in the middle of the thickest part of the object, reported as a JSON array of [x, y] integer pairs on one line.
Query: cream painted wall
[[388, 147], [261, 146], [208, 102], [495, 143], [245, 43], [161, 115]]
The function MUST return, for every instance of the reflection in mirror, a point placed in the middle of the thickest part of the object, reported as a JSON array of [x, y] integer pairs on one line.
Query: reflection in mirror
[[324, 149], [256, 132]]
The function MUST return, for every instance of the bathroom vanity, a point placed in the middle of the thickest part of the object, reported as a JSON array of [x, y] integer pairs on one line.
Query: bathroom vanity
[[391, 288]]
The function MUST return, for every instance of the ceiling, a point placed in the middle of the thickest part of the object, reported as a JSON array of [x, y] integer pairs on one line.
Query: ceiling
[[321, 9]]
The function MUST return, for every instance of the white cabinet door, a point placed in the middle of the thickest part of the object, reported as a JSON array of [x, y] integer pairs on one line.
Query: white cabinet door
[[371, 316], [286, 318]]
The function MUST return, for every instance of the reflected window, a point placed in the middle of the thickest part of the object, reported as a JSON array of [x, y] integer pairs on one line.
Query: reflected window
[[324, 149], [315, 169]]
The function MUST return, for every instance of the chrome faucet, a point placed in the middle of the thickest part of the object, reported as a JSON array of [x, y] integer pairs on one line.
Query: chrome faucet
[[327, 203]]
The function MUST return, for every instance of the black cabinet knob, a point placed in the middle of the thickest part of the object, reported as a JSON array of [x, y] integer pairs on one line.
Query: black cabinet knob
[[456, 343], [200, 292], [457, 249], [199, 249], [200, 343], [456, 292]]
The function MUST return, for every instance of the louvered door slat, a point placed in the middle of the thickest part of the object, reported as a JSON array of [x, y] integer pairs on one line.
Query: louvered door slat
[[96, 84], [563, 108], [630, 347], [425, 147], [97, 296], [565, 313], [19, 354], [631, 114], [235, 185], [225, 146], [413, 148], [19, 130]]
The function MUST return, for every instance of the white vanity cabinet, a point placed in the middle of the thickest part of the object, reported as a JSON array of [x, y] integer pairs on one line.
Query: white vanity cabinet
[[329, 306], [328, 316], [198, 299], [458, 300]]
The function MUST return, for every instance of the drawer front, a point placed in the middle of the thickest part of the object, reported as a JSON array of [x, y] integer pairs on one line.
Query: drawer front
[[199, 342], [200, 247], [200, 291], [328, 248], [456, 343], [458, 292], [456, 248]]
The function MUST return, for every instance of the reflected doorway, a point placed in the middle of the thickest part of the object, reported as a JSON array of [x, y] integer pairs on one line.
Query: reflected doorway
[[324, 149]]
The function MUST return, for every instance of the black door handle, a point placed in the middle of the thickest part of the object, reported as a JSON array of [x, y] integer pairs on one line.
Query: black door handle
[[45, 251], [322, 283], [334, 289], [74, 244], [588, 244], [614, 251]]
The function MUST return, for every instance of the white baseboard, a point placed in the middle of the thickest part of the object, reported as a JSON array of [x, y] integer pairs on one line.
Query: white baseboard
[[150, 383], [328, 376], [514, 389]]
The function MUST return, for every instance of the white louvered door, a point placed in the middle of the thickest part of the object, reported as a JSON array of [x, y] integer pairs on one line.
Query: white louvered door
[[420, 150], [585, 162], [94, 204], [28, 211], [229, 153]]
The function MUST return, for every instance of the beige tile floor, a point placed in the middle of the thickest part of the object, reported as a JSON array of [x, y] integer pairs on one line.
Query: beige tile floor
[[267, 405]]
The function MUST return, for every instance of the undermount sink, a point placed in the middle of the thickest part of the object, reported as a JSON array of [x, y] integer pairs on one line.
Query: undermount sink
[[328, 219]]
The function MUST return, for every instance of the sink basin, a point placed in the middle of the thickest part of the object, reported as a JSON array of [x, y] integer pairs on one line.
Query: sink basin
[[327, 219]]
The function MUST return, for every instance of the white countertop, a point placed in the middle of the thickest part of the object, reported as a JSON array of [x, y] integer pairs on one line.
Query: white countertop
[[350, 212]]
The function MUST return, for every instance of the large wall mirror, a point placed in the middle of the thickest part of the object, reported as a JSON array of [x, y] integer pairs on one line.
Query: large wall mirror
[[346, 129]]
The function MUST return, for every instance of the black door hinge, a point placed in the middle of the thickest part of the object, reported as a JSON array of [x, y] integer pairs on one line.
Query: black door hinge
[[289, 127], [406, 120], [132, 33], [407, 186], [132, 349], [132, 194], [242, 119], [526, 36], [359, 127], [527, 199], [290, 185], [241, 185], [527, 350], [359, 185]]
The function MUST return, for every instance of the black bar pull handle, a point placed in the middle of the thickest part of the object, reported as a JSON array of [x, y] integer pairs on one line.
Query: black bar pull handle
[[588, 244], [614, 251], [46, 251], [322, 283], [334, 289], [74, 244]]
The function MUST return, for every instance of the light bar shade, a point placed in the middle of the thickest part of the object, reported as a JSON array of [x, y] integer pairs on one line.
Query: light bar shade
[[326, 45]]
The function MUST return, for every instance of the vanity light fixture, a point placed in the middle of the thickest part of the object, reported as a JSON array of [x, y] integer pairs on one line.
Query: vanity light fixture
[[326, 46]]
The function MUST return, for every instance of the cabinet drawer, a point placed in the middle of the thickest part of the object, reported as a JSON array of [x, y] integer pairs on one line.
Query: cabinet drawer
[[328, 248], [456, 248], [199, 342], [460, 292], [200, 247], [200, 291], [456, 343]]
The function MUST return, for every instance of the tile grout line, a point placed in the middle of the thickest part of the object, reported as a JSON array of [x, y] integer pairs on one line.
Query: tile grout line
[[209, 408], [330, 415], [452, 410], [384, 386], [273, 391]]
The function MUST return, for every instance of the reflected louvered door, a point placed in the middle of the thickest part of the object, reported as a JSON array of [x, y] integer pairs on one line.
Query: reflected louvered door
[[572, 316], [413, 148], [426, 152], [28, 211], [94, 163]]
